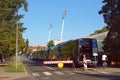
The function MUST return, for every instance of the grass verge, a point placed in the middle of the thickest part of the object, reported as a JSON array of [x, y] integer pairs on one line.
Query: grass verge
[[12, 67]]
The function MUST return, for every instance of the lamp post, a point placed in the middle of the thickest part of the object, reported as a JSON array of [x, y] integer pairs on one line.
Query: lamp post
[[16, 40], [63, 17]]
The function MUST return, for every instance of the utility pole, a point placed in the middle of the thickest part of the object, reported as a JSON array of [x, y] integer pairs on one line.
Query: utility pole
[[16, 39], [49, 34], [63, 17]]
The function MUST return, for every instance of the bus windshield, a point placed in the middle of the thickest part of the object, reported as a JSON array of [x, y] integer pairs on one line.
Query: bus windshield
[[85, 46]]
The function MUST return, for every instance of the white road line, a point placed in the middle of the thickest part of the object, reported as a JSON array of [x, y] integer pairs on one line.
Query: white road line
[[91, 72], [105, 72], [49, 68], [78, 71], [45, 78], [47, 73], [35, 74], [85, 72], [69, 72], [58, 72]]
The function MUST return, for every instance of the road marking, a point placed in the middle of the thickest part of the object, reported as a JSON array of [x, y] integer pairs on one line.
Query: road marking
[[85, 72], [105, 72], [35, 74], [47, 73], [69, 72], [45, 78], [78, 71], [58, 72], [49, 68], [91, 72]]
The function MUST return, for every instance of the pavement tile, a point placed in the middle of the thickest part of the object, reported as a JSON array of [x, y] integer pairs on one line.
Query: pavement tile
[[107, 70], [14, 75]]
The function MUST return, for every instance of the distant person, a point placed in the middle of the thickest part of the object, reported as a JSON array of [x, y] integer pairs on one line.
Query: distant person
[[104, 60]]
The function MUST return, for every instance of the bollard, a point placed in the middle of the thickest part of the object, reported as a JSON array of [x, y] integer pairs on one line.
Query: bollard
[[84, 62]]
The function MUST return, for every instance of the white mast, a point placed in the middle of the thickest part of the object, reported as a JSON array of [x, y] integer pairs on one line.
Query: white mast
[[49, 32], [63, 17]]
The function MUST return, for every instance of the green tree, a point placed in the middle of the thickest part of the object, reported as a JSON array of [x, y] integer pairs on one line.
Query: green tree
[[8, 20], [104, 29], [0, 51], [27, 46], [50, 44], [111, 14]]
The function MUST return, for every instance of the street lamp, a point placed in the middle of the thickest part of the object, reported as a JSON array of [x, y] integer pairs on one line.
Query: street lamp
[[63, 17], [16, 40]]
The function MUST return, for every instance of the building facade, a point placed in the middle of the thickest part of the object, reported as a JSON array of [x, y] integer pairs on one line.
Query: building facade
[[99, 37], [36, 48], [57, 42]]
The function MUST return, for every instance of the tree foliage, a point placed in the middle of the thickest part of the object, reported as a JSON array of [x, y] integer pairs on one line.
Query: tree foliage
[[27, 46], [111, 14], [9, 18], [104, 29], [50, 44]]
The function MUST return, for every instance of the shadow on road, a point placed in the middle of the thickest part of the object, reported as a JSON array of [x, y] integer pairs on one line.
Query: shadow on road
[[104, 76]]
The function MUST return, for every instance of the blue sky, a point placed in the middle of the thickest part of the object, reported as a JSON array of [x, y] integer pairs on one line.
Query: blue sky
[[81, 20]]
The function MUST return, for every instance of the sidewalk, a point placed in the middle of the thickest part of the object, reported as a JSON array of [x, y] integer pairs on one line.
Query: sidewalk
[[108, 70], [14, 75]]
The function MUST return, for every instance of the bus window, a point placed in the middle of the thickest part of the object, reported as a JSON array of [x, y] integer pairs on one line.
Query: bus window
[[85, 46]]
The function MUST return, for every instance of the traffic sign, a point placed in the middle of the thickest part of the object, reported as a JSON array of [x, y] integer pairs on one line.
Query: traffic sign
[[60, 65]]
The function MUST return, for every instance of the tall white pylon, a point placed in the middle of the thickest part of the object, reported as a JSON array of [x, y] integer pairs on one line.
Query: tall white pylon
[[63, 17], [49, 34]]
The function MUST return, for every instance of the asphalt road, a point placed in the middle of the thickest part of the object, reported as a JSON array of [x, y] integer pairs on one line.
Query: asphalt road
[[34, 68]]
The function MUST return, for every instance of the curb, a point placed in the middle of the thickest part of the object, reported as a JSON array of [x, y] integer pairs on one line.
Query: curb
[[5, 77], [25, 69]]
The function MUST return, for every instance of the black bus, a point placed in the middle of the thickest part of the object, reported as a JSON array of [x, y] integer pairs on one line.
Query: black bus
[[75, 49]]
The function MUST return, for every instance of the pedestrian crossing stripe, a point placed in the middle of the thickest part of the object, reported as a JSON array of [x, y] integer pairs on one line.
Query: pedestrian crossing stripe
[[58, 72], [66, 72], [35, 74], [47, 73]]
